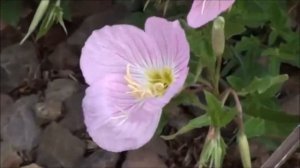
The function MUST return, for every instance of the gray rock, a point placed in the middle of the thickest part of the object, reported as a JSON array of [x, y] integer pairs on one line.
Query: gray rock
[[57, 91], [73, 120], [21, 129], [178, 118], [59, 148], [85, 8], [32, 165], [93, 22], [48, 111], [61, 89], [91, 145], [18, 63], [8, 156], [291, 105], [6, 103], [100, 159], [64, 57], [148, 156]]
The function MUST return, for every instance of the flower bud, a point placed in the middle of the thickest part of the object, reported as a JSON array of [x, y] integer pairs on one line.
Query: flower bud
[[244, 149], [218, 36]]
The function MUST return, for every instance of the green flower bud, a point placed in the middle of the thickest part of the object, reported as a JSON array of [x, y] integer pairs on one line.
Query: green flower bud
[[244, 149], [213, 151], [218, 36]]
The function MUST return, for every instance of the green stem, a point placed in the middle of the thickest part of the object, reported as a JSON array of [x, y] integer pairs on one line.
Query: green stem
[[198, 71], [205, 82], [238, 105], [216, 77]]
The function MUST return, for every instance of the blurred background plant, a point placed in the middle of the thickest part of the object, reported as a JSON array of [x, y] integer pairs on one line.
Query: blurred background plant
[[48, 12]]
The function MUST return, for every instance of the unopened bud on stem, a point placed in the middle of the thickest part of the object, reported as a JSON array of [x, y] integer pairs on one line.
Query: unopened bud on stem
[[218, 37], [244, 149]]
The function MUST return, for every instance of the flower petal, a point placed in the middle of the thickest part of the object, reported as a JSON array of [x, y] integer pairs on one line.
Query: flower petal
[[203, 11], [171, 40], [174, 50], [110, 49], [115, 120]]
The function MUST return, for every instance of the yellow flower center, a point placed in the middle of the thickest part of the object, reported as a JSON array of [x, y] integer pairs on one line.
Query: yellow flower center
[[158, 82]]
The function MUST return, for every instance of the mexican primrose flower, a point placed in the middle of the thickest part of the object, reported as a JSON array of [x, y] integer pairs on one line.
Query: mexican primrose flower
[[132, 74], [203, 11]]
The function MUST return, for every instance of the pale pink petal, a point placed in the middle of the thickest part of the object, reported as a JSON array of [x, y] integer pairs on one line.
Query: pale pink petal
[[174, 50], [116, 120], [171, 40], [203, 11], [176, 86], [110, 49]]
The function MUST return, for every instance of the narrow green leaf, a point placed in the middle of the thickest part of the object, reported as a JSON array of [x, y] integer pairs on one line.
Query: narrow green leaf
[[47, 22], [214, 108], [41, 10], [206, 152], [198, 122]]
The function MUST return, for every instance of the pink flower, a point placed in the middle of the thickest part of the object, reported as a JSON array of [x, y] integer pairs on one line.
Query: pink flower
[[132, 75], [203, 11]]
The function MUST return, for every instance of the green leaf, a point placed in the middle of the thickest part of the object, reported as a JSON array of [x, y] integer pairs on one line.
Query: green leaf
[[214, 108], [233, 24], [200, 44], [236, 82], [259, 127], [195, 69], [272, 37], [187, 98], [220, 115], [260, 85], [54, 15], [47, 22], [198, 122], [254, 127], [247, 44], [227, 116], [257, 85], [267, 109], [271, 52], [289, 52], [11, 11], [39, 13]]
